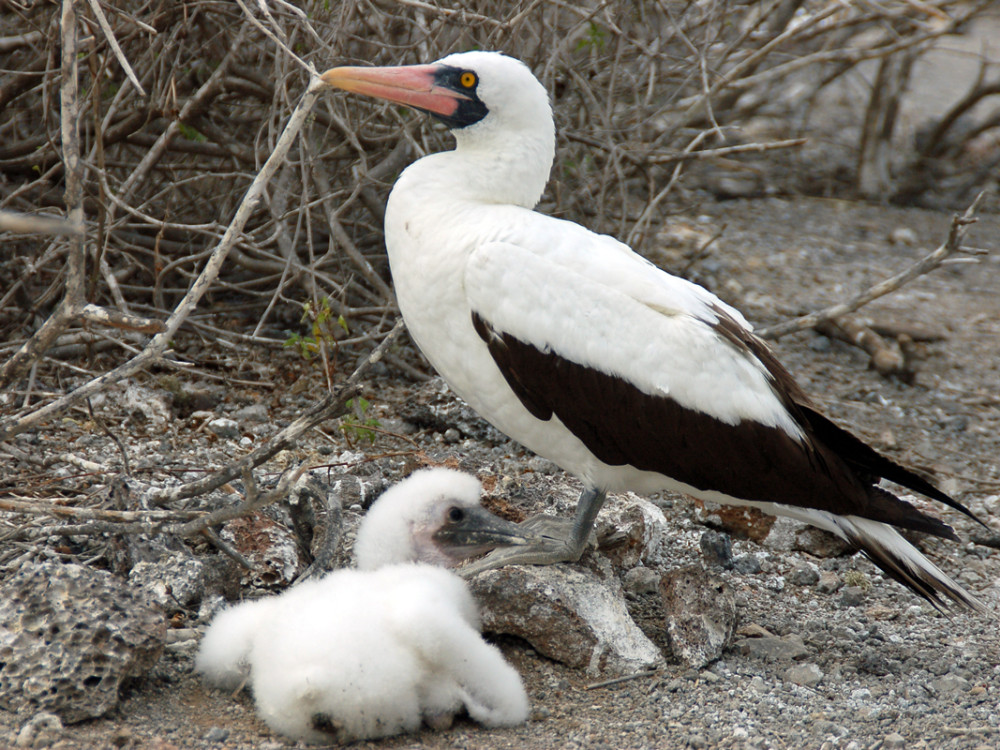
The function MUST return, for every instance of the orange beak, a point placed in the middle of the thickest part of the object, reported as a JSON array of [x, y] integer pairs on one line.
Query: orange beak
[[412, 85]]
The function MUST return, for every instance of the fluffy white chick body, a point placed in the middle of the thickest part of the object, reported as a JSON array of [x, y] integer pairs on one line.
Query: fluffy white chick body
[[370, 653]]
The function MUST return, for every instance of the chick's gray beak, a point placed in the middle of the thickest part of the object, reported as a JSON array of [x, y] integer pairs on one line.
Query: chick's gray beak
[[470, 531]]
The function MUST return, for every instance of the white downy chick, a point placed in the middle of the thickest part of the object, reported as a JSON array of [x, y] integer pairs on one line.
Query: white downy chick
[[368, 653]]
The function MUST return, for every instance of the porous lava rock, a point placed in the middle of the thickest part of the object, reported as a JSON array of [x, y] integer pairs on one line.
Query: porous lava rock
[[70, 636]]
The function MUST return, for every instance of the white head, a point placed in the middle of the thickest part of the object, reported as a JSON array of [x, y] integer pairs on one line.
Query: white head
[[497, 110], [433, 516]]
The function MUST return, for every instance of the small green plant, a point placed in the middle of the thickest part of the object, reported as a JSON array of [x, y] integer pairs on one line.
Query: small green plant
[[357, 426], [595, 38], [190, 134], [320, 329]]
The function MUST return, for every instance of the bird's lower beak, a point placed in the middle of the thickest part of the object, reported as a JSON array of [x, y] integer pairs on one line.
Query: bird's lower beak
[[480, 531], [412, 85]]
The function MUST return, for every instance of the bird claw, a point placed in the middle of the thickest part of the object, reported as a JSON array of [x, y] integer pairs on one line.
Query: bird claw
[[553, 544]]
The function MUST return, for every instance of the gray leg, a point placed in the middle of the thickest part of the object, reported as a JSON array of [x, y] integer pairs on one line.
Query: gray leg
[[559, 540]]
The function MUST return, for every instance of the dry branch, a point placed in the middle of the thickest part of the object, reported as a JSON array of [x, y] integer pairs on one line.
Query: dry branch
[[332, 406], [11, 221], [951, 246], [156, 347]]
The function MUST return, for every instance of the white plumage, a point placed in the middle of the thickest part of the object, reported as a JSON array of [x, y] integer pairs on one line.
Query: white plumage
[[375, 652], [586, 353]]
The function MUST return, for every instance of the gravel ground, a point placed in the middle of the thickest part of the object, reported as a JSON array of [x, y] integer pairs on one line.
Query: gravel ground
[[828, 654]]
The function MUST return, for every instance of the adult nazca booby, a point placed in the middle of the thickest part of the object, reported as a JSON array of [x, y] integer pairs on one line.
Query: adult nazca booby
[[589, 355], [375, 651]]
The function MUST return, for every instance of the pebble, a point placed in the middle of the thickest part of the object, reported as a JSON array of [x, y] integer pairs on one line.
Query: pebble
[[893, 741], [804, 575], [852, 596], [773, 648], [807, 675], [251, 413], [829, 582], [951, 683], [225, 428], [747, 564], [216, 734], [42, 730], [903, 236], [717, 549]]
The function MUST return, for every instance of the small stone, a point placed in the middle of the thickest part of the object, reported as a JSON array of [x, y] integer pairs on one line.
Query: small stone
[[700, 614], [852, 596], [829, 582], [807, 675], [717, 549], [786, 648], [804, 575], [225, 428], [747, 564], [641, 580], [819, 343], [893, 741], [451, 435], [43, 730], [251, 413], [903, 236], [951, 683], [216, 734]]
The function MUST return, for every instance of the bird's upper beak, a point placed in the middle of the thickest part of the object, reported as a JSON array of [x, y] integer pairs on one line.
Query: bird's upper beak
[[412, 85], [479, 531]]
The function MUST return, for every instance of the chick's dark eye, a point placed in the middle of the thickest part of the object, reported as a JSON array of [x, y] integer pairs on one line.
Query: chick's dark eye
[[467, 79], [456, 515]]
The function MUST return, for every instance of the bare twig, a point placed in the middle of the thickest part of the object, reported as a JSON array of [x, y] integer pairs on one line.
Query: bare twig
[[959, 227], [11, 221], [102, 20], [154, 350], [332, 406]]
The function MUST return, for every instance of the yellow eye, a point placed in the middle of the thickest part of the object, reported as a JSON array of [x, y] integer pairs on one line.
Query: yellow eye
[[468, 80]]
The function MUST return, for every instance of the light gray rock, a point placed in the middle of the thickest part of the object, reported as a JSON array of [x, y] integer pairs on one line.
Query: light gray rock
[[773, 648], [225, 428], [951, 683], [69, 636], [807, 675], [42, 730], [700, 614], [641, 580], [633, 531], [567, 613], [804, 575], [252, 413], [852, 596], [177, 579]]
